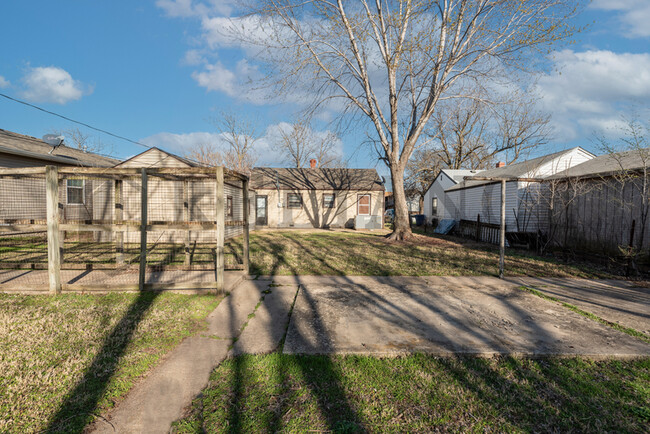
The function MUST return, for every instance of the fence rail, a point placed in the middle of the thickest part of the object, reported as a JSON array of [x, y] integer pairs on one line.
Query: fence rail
[[485, 232]]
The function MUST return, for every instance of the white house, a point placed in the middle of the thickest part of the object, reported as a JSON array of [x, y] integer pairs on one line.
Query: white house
[[468, 199], [436, 202]]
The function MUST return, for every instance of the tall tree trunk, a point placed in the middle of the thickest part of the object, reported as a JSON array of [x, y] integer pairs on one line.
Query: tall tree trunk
[[401, 225]]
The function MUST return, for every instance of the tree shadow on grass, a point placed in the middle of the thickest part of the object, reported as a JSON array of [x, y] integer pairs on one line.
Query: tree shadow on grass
[[80, 405]]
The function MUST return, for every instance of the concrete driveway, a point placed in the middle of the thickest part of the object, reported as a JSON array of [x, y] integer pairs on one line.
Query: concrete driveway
[[441, 315]]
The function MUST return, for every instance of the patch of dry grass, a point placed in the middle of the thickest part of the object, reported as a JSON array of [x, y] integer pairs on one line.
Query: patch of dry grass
[[364, 253], [66, 358]]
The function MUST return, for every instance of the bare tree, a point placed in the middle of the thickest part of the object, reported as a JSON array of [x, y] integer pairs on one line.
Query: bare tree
[[205, 154], [390, 62], [472, 134], [299, 144], [240, 136], [236, 149], [77, 138]]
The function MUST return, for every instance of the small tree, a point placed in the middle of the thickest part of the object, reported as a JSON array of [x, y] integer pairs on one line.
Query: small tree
[[421, 171], [299, 144]]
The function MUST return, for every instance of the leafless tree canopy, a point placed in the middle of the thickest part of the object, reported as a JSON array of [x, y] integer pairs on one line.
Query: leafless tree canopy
[[299, 144], [420, 173], [390, 62], [77, 138], [472, 134], [236, 151]]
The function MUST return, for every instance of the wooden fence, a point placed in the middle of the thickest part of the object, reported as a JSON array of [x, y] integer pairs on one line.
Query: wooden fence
[[485, 232], [33, 201]]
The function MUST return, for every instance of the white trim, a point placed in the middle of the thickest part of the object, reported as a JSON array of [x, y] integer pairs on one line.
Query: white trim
[[83, 192]]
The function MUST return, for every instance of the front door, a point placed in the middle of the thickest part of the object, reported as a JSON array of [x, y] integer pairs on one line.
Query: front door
[[261, 218]]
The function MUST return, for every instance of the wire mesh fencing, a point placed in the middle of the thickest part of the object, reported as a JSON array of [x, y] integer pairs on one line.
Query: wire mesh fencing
[[190, 221]]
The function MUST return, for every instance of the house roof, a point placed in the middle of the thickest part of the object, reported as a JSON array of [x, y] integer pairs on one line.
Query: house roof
[[457, 175], [516, 170], [264, 178], [609, 164], [31, 147]]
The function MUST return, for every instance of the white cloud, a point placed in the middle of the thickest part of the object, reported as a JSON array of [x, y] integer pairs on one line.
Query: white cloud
[[52, 84], [4, 82], [218, 78], [193, 58], [590, 88], [190, 8], [179, 143], [635, 14]]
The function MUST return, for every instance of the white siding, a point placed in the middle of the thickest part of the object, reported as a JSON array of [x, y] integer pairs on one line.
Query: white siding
[[446, 209], [485, 200], [153, 158]]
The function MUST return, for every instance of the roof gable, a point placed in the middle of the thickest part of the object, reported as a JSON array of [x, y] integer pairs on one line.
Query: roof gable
[[155, 157]]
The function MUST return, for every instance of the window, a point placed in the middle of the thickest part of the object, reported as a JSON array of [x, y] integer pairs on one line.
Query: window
[[229, 206], [434, 206], [75, 191], [328, 201], [363, 204], [294, 200]]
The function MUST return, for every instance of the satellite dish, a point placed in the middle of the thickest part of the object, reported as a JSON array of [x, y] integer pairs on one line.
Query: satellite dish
[[53, 140]]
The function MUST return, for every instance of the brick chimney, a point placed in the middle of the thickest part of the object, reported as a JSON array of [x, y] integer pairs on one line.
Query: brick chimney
[[500, 164], [312, 163]]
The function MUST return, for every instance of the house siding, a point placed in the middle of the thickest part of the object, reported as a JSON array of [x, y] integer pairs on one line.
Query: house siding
[[446, 208], [312, 214]]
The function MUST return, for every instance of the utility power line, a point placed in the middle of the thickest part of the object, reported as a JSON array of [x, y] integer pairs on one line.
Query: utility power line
[[76, 122]]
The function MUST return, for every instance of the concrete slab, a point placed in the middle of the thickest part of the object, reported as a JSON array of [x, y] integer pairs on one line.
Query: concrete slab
[[266, 329], [616, 301], [455, 316]]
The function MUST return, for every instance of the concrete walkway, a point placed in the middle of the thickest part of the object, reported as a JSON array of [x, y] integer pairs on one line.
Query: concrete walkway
[[159, 399]]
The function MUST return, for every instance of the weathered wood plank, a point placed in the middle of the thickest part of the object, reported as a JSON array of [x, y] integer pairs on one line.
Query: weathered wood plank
[[143, 230], [246, 210], [53, 234], [220, 217]]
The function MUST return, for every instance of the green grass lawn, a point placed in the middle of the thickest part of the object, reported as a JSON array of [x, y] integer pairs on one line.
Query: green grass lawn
[[66, 358], [369, 253], [421, 393]]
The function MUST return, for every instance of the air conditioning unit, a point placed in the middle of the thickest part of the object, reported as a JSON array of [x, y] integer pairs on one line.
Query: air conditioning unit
[[368, 222]]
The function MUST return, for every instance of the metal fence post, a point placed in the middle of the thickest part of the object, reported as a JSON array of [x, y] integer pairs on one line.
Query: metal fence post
[[502, 237], [221, 229], [246, 259], [143, 230], [53, 234]]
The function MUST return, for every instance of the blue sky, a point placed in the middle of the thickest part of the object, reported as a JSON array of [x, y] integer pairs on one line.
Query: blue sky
[[158, 71]]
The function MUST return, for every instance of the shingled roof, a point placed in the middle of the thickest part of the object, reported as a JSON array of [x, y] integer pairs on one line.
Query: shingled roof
[[31, 147], [270, 178], [608, 165]]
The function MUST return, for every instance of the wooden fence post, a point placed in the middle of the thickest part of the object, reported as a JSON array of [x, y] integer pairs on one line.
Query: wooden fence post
[[186, 218], [246, 259], [119, 219], [53, 235], [143, 230], [221, 229], [478, 227], [502, 238]]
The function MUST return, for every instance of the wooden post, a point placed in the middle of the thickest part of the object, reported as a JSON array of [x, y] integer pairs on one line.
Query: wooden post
[[478, 227], [221, 228], [246, 259], [502, 238], [53, 235], [143, 230], [119, 219], [186, 218]]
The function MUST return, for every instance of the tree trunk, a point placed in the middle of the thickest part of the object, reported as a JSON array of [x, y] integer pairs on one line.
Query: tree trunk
[[401, 226]]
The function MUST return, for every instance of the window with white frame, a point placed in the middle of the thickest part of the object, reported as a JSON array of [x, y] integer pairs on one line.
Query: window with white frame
[[75, 192], [328, 201], [229, 210], [363, 204], [434, 206], [294, 200]]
